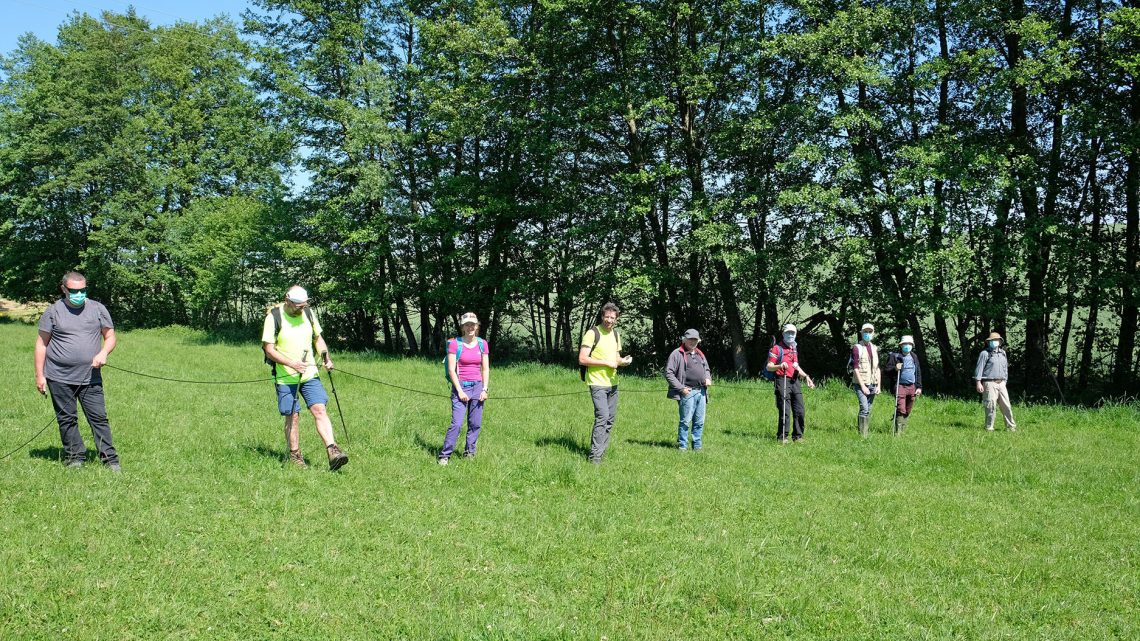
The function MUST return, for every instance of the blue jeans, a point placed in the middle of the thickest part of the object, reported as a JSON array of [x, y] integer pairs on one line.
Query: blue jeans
[[866, 400], [691, 409]]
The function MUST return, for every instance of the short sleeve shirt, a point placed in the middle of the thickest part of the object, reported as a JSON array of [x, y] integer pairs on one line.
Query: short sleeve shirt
[[296, 338], [608, 348], [76, 337]]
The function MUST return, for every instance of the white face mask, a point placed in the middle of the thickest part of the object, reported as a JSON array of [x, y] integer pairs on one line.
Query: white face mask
[[789, 338]]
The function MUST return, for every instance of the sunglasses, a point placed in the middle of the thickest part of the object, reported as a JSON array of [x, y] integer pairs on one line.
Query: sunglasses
[[76, 290]]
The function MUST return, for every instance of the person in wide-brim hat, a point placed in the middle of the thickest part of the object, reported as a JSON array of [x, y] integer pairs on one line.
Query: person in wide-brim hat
[[908, 380], [990, 377]]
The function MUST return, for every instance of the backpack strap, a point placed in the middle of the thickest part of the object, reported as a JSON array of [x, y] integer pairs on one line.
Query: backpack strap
[[275, 312], [312, 321], [597, 339]]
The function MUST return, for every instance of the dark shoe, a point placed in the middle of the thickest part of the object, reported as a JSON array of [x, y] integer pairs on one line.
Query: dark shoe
[[337, 458], [297, 459], [469, 455]]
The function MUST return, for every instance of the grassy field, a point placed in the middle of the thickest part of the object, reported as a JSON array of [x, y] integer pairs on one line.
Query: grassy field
[[945, 533]]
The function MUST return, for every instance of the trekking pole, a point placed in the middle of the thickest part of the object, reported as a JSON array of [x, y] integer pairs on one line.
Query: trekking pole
[[787, 411], [297, 393], [332, 383], [895, 419]]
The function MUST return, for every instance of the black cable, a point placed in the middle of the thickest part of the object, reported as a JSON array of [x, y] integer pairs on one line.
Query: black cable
[[406, 389], [179, 380], [29, 440]]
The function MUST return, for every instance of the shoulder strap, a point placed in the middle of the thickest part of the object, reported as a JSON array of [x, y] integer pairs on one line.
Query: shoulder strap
[[312, 321], [482, 344], [275, 312], [597, 338]]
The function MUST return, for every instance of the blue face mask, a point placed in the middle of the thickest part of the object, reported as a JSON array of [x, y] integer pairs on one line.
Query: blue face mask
[[789, 338], [906, 349], [992, 345], [867, 336], [78, 298]]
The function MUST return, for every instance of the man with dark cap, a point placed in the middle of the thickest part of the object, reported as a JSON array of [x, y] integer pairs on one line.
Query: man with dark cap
[[689, 377]]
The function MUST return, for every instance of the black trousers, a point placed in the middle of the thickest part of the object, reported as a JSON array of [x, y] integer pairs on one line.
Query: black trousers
[[63, 398], [789, 398]]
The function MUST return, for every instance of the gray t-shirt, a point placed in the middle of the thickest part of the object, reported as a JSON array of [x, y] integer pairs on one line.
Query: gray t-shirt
[[76, 337]]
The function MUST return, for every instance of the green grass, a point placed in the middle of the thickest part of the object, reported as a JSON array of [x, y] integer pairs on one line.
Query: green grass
[[945, 533]]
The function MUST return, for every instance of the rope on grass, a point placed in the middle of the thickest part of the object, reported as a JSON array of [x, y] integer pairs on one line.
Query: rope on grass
[[180, 380], [29, 441], [498, 398], [376, 381]]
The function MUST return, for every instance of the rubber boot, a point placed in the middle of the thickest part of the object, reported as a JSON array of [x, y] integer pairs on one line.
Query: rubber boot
[[863, 422]]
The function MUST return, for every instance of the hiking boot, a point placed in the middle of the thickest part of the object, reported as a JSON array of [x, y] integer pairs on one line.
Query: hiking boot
[[296, 458], [74, 463], [115, 467], [1013, 429], [989, 428], [469, 455], [784, 441], [442, 461], [337, 458]]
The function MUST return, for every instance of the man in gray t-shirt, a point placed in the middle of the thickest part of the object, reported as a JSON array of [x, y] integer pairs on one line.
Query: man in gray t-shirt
[[75, 337]]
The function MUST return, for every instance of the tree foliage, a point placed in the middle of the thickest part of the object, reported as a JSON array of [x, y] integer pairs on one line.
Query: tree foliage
[[940, 168]]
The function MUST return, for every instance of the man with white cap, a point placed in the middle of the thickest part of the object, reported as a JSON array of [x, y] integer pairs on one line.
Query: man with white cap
[[291, 338], [784, 362], [990, 376], [689, 377], [908, 380], [865, 375]]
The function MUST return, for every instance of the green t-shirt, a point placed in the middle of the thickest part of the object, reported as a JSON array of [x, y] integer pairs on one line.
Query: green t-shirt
[[608, 348], [297, 336]]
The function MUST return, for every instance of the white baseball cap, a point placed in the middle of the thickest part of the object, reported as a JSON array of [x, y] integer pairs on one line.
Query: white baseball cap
[[469, 317], [907, 340], [297, 295], [790, 328]]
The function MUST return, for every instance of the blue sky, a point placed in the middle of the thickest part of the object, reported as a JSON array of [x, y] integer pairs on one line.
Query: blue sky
[[43, 17]]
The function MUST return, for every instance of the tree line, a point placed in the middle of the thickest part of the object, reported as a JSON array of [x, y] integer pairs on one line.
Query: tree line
[[940, 168]]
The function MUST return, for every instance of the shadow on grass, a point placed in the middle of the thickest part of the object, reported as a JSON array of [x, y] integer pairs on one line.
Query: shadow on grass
[[430, 448], [56, 453], [662, 443], [743, 434], [564, 441], [267, 452]]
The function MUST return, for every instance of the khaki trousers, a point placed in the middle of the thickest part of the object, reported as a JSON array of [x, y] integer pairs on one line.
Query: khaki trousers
[[995, 395]]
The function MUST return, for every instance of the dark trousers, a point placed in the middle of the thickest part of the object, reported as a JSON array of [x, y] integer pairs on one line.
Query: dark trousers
[[605, 411], [789, 397], [63, 397]]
